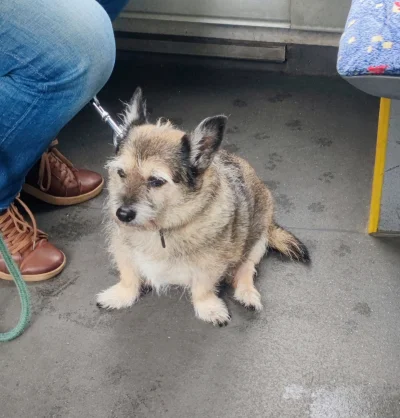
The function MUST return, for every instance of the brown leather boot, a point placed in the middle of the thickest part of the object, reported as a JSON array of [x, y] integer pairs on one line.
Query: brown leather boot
[[55, 180], [36, 258]]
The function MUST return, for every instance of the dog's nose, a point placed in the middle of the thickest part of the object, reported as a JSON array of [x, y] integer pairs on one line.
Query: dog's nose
[[125, 214]]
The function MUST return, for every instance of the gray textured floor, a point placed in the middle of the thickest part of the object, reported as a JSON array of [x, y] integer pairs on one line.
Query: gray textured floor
[[390, 205], [327, 344]]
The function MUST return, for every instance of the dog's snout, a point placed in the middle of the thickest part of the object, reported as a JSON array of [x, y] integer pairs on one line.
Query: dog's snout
[[126, 214]]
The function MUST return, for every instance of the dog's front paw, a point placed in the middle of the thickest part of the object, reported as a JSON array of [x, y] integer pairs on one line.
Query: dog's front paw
[[248, 297], [117, 297], [212, 309]]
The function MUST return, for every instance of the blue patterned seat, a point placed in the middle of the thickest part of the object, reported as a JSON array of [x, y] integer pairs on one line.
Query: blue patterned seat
[[370, 44]]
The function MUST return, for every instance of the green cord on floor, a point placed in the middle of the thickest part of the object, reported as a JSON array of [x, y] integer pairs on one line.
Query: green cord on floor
[[23, 291]]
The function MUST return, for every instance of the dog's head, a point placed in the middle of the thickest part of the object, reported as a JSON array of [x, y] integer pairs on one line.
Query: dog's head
[[157, 167]]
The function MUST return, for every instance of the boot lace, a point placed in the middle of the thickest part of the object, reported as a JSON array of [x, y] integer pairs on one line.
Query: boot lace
[[20, 235], [52, 162]]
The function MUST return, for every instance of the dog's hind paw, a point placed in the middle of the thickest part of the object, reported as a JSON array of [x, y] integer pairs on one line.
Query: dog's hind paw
[[145, 288], [214, 310], [117, 297], [248, 297]]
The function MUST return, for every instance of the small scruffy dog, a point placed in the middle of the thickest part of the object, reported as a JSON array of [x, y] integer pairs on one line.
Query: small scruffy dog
[[183, 212]]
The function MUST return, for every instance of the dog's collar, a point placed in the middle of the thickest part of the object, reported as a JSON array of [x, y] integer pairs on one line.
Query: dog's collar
[[162, 238]]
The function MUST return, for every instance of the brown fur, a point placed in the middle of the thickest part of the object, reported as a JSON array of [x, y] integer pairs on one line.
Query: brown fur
[[215, 214]]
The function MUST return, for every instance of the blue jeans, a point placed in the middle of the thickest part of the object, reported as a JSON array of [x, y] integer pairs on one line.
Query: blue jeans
[[55, 55]]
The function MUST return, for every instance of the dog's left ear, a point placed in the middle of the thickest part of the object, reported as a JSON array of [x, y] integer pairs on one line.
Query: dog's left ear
[[134, 114], [206, 140]]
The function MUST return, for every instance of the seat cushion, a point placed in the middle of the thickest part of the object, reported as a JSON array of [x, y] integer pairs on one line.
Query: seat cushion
[[370, 44]]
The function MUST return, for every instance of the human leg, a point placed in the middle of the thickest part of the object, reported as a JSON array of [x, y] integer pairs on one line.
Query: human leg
[[54, 57]]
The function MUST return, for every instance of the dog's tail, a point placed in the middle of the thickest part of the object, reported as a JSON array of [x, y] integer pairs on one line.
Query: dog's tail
[[288, 245]]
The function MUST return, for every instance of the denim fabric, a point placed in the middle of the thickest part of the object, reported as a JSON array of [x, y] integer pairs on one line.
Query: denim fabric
[[55, 55], [113, 7]]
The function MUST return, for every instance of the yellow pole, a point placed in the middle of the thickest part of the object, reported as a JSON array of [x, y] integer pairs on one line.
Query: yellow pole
[[379, 169]]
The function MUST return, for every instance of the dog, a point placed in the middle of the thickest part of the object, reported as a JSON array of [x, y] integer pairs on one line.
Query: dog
[[181, 211]]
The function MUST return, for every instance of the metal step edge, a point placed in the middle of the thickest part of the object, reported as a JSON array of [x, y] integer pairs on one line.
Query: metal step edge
[[273, 53]]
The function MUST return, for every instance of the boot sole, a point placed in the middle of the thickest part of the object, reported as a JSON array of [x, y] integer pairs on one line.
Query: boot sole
[[37, 277], [62, 201]]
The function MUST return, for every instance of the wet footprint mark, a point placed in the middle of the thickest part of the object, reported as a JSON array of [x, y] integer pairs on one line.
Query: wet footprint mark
[[343, 250], [280, 97], [350, 327], [233, 130], [294, 125], [260, 136], [239, 103], [284, 203], [323, 142], [312, 245], [316, 207], [273, 160], [326, 177], [271, 184], [362, 308], [116, 373]]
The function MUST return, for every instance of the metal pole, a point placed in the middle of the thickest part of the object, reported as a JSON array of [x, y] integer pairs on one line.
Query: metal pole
[[106, 117]]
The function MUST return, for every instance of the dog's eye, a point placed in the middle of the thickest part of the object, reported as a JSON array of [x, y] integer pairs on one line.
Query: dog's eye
[[121, 173], [155, 182]]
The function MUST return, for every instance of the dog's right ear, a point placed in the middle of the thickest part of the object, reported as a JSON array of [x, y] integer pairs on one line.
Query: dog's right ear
[[134, 114], [206, 140]]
